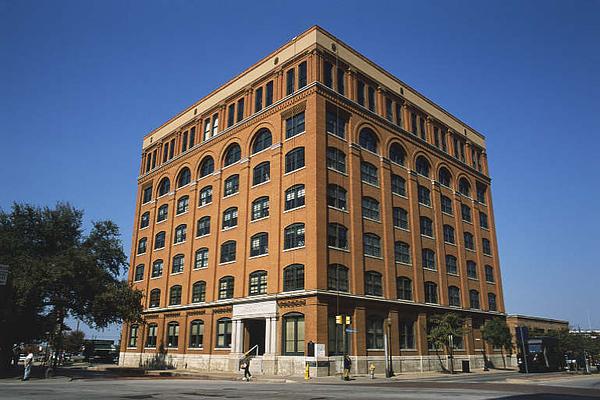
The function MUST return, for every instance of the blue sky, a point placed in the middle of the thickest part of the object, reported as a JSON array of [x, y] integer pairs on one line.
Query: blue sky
[[83, 81]]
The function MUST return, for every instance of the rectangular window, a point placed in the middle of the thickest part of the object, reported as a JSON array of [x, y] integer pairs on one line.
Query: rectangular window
[[388, 109], [192, 137], [413, 123], [215, 123], [224, 333], [422, 128], [483, 220], [360, 93], [407, 335], [398, 185], [328, 74], [258, 99], [335, 124], [443, 140], [184, 141], [399, 114], [294, 125], [371, 93], [446, 205], [240, 110], [424, 195], [147, 194], [436, 136], [302, 75], [165, 152], [206, 129], [400, 217], [153, 159], [289, 85], [269, 94], [231, 115], [466, 212], [340, 81], [172, 149]]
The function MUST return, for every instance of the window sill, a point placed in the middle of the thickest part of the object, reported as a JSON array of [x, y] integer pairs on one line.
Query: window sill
[[182, 213], [400, 195], [176, 273], [401, 228], [141, 254], [156, 277], [337, 171], [339, 249], [196, 348], [294, 171], [258, 256], [448, 214], [204, 205], [232, 164], [178, 243], [259, 219], [490, 282], [427, 236], [199, 268], [450, 244], [338, 209], [159, 249], [374, 257], [471, 250], [294, 209], [161, 221], [336, 136], [484, 228], [452, 274], [144, 228], [227, 262], [138, 280], [375, 185], [403, 263], [487, 255], [203, 236], [228, 228], [222, 348], [372, 220], [472, 279], [430, 269], [260, 184], [293, 248], [467, 222], [425, 205], [230, 195]]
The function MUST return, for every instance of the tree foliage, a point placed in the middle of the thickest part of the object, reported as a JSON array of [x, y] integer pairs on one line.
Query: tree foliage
[[57, 271], [442, 327], [497, 333]]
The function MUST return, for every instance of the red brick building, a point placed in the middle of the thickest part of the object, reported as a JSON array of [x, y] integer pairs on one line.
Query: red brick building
[[313, 184]]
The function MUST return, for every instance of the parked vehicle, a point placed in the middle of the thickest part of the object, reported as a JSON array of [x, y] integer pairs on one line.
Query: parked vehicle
[[541, 355]]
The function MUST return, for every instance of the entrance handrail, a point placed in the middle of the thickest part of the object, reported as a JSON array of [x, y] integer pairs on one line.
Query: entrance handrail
[[248, 355]]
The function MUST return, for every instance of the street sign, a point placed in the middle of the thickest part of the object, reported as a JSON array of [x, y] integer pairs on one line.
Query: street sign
[[350, 330], [3, 274]]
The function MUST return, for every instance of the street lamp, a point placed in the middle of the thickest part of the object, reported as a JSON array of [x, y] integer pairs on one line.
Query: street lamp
[[389, 370], [485, 362]]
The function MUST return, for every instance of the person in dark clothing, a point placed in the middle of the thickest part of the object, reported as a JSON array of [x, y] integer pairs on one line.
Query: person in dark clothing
[[246, 367], [347, 366]]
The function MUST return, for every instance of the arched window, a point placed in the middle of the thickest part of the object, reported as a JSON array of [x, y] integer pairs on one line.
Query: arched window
[[261, 173], [293, 334], [233, 154], [145, 220], [474, 299], [397, 154], [336, 159], [184, 177], [293, 277], [258, 283], [400, 218], [449, 234], [370, 208], [489, 274], [260, 208], [404, 288], [471, 269], [469, 243], [424, 195], [451, 266], [426, 226], [183, 205], [139, 273], [374, 333], [428, 258], [367, 139], [180, 233], [481, 189], [398, 185], [154, 298], [163, 213], [203, 226], [224, 333], [196, 333], [464, 187], [294, 159], [142, 243], [175, 295], [486, 247], [444, 177], [422, 166], [431, 293], [151, 335], [228, 251], [368, 173], [207, 166], [172, 335], [230, 217], [337, 277], [205, 196], [164, 186], [294, 197], [337, 236], [178, 262], [133, 335], [446, 203], [159, 240], [293, 236], [373, 285], [199, 292], [259, 244], [492, 306], [157, 268], [336, 197], [453, 296], [372, 245], [201, 258], [232, 185], [262, 140], [226, 287], [402, 252]]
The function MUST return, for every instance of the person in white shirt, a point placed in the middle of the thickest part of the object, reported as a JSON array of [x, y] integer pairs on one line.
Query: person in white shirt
[[28, 364]]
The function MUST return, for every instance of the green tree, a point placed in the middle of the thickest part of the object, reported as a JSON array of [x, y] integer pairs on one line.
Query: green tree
[[57, 271], [442, 328], [497, 333], [73, 341]]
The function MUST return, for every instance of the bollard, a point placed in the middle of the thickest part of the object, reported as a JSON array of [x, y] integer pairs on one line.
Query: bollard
[[307, 372], [372, 370]]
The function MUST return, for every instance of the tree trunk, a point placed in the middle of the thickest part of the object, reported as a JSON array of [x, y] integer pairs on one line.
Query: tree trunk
[[503, 359]]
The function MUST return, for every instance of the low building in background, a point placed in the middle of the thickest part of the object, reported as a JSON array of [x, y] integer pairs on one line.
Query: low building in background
[[313, 185]]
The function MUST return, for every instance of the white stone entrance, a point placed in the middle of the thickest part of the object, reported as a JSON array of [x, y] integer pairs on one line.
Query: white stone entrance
[[266, 310]]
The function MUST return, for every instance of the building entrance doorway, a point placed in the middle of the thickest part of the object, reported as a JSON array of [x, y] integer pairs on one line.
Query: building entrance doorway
[[255, 329]]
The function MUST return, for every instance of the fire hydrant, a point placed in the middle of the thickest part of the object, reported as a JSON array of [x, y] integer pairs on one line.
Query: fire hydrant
[[307, 372], [372, 370]]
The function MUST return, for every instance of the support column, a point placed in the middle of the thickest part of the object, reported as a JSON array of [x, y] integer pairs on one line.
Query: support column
[[239, 336], [268, 322], [273, 335]]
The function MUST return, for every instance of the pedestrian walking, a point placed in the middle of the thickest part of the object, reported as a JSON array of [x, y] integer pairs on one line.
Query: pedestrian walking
[[347, 367], [246, 368], [28, 364]]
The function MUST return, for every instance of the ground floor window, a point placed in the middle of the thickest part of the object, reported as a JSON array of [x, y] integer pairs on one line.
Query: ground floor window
[[375, 333], [293, 334], [224, 333], [196, 333], [133, 335], [173, 334], [151, 336], [407, 334], [336, 338]]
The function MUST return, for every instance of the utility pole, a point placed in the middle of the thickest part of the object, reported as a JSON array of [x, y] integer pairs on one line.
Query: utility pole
[[389, 370]]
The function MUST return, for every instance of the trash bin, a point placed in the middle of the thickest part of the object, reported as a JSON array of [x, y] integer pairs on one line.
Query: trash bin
[[465, 366]]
